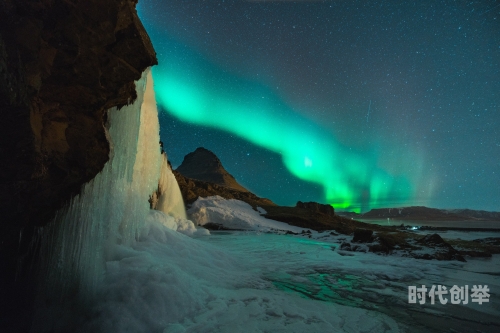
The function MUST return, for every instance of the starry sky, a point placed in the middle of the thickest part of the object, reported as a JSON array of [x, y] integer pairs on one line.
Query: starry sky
[[359, 104]]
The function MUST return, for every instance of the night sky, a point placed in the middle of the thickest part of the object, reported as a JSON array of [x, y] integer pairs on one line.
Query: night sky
[[360, 104]]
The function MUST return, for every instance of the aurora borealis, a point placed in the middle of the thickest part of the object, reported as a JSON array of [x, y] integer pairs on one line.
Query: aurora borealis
[[366, 105]]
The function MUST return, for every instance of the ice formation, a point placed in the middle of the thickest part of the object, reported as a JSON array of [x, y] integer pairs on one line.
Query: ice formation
[[170, 201], [110, 211], [111, 206]]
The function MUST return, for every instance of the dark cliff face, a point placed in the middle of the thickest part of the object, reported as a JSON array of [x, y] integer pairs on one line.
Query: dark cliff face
[[62, 65]]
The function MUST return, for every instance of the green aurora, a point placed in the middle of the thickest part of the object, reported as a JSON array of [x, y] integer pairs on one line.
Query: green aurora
[[194, 90]]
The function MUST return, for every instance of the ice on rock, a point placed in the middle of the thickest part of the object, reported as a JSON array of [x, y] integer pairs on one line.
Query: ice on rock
[[171, 203], [233, 214], [170, 200], [110, 211], [111, 208]]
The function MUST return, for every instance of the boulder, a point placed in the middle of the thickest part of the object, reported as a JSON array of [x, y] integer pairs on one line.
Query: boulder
[[316, 207], [442, 249], [362, 236]]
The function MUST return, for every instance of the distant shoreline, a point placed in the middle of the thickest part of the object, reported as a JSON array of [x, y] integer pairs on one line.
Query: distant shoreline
[[414, 224], [429, 228], [423, 218]]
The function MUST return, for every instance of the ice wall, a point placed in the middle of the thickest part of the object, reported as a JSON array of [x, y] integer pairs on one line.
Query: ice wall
[[110, 210], [170, 200]]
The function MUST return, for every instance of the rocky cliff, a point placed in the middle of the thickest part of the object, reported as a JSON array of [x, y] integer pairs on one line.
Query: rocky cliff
[[191, 189], [62, 65]]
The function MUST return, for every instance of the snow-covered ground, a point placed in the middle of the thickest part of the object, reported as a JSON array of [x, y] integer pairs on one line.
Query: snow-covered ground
[[258, 280], [169, 282]]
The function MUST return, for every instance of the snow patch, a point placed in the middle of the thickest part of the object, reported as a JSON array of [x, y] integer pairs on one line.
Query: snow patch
[[233, 214]]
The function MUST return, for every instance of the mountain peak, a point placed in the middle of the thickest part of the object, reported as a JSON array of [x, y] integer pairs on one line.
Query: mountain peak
[[203, 164]]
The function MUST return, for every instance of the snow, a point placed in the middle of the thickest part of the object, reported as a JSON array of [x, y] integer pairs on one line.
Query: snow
[[168, 282], [233, 214], [246, 281], [261, 210]]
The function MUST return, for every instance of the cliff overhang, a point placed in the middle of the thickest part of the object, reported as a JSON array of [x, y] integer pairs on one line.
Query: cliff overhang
[[63, 64]]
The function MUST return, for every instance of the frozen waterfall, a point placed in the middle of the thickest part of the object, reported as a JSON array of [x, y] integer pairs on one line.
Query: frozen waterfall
[[109, 212], [170, 198]]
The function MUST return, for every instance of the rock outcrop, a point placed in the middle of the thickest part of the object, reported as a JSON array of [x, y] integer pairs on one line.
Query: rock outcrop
[[62, 65], [204, 165], [442, 249], [362, 236], [191, 189], [317, 207]]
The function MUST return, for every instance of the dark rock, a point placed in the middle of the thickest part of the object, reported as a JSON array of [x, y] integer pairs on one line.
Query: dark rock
[[363, 236], [475, 254], [191, 189], [217, 226], [443, 250], [433, 240], [316, 207], [387, 242], [490, 241], [345, 246], [62, 65], [204, 165], [379, 248]]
